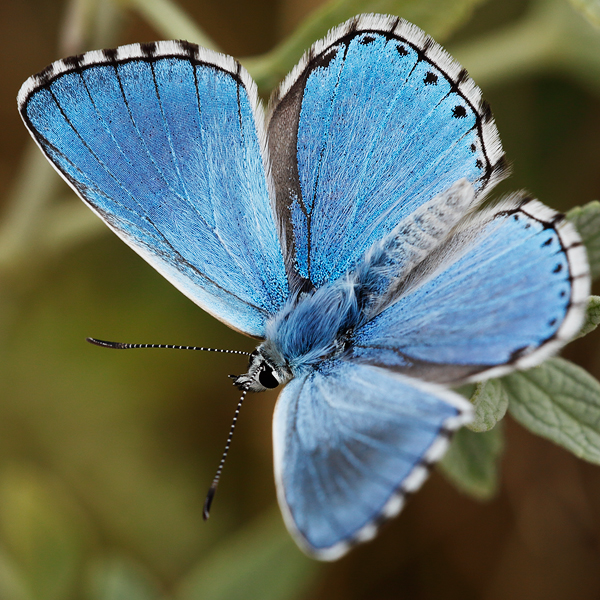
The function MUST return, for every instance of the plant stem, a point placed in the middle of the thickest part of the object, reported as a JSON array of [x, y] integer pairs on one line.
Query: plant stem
[[171, 21]]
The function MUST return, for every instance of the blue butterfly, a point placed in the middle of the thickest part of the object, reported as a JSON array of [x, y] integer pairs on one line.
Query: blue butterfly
[[341, 230]]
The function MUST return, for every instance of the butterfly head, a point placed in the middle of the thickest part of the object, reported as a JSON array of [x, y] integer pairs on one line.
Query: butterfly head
[[266, 371]]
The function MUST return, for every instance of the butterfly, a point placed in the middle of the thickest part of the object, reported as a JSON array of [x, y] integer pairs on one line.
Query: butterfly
[[344, 230]]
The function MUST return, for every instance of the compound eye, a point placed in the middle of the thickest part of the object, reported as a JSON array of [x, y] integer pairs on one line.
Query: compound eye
[[267, 378]]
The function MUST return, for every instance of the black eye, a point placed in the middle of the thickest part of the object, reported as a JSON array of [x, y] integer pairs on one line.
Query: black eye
[[267, 378]]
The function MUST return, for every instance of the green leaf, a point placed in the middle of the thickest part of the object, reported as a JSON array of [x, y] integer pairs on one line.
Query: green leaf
[[559, 401], [439, 18], [592, 316], [260, 562], [472, 462], [590, 9], [587, 222], [119, 578], [490, 401]]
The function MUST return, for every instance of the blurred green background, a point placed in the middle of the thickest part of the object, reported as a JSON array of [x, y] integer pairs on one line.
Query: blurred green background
[[105, 457]]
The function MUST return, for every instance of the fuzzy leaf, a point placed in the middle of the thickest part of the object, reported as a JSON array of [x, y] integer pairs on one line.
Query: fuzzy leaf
[[471, 463], [592, 316], [490, 401], [559, 401], [587, 222]]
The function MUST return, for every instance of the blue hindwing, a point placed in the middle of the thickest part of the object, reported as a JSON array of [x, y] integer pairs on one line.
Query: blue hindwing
[[381, 144], [349, 442], [375, 121], [162, 142], [506, 291]]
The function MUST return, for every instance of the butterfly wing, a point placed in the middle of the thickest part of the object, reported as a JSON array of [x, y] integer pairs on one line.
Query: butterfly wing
[[164, 142], [375, 120], [506, 291], [350, 441]]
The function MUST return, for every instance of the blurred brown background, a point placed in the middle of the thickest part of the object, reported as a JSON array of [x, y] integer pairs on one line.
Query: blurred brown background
[[105, 457]]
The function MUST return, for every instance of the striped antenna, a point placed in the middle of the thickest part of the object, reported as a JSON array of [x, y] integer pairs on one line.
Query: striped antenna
[[215, 482], [122, 346]]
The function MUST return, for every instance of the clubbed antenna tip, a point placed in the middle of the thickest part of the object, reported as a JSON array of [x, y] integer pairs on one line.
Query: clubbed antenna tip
[[208, 502], [123, 346], [105, 344], [215, 482]]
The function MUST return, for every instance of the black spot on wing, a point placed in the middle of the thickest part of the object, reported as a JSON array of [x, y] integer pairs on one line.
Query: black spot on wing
[[486, 111], [459, 112], [462, 76], [402, 51], [148, 49], [110, 54], [368, 39], [501, 165], [430, 79], [574, 245], [45, 77], [428, 44], [353, 25], [325, 59], [73, 62]]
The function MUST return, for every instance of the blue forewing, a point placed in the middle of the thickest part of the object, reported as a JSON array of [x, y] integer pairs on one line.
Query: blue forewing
[[343, 230]]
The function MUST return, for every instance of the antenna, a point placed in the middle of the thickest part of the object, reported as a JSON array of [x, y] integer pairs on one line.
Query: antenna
[[123, 346], [215, 482]]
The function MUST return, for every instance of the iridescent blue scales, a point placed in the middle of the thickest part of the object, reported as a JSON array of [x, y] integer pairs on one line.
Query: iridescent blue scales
[[343, 230]]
